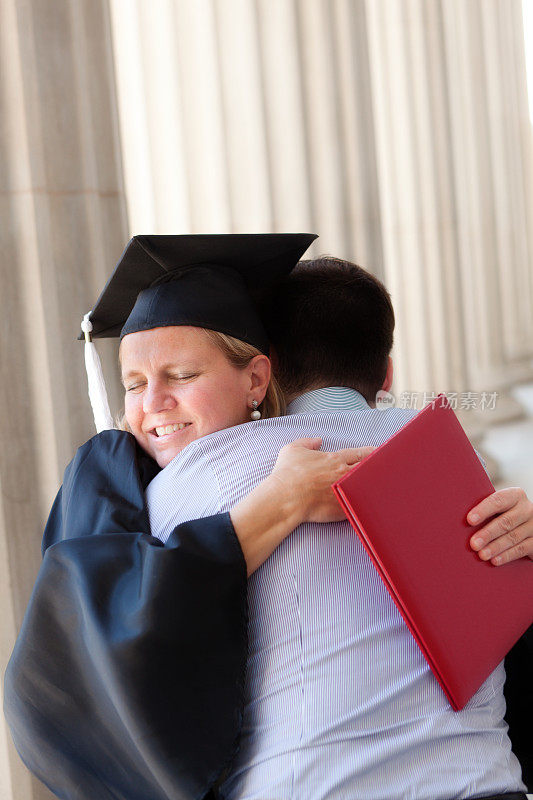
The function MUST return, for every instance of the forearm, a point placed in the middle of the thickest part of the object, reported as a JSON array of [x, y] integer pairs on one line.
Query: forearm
[[263, 519], [115, 661], [298, 490]]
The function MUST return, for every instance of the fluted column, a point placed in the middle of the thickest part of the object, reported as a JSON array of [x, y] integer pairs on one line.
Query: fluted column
[[63, 226], [512, 164], [488, 105], [448, 86], [396, 129]]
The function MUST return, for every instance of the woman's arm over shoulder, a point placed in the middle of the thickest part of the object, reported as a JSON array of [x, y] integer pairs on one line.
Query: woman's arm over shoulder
[[127, 675], [298, 490]]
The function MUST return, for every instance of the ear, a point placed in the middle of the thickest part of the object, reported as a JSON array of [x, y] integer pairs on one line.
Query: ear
[[387, 383], [259, 370]]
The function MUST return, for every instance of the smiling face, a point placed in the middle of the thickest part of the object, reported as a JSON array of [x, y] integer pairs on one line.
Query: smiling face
[[180, 386]]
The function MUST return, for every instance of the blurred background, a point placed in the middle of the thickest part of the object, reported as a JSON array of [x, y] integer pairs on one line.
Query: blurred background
[[398, 130]]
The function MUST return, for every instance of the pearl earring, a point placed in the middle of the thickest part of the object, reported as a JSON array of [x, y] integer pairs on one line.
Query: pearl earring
[[255, 413]]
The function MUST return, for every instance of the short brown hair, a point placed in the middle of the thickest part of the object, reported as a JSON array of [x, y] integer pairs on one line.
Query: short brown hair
[[331, 323], [240, 354]]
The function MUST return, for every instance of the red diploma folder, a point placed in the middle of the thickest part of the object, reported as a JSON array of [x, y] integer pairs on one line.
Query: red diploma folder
[[408, 503]]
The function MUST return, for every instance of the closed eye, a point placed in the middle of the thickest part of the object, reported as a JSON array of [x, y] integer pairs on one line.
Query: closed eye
[[183, 377], [135, 387]]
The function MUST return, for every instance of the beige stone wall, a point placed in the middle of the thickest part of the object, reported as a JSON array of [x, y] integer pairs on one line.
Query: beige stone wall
[[63, 225], [396, 129]]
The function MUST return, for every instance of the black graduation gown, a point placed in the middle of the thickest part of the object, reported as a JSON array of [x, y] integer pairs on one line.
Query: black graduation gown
[[126, 681]]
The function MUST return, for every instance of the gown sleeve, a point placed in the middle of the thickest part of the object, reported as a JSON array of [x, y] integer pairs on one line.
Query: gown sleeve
[[126, 680]]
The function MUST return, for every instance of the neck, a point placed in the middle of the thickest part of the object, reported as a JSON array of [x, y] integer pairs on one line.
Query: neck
[[290, 396]]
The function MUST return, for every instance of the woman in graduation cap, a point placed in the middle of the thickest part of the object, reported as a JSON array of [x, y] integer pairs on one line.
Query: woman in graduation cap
[[126, 681]]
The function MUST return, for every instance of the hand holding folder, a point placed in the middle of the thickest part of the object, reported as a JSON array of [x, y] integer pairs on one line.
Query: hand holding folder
[[408, 503]]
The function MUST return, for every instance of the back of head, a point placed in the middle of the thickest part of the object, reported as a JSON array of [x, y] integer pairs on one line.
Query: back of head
[[330, 323]]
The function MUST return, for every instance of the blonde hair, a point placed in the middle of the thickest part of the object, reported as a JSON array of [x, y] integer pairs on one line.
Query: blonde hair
[[239, 354]]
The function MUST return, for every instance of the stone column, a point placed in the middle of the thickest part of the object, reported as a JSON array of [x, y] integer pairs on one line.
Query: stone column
[[448, 89], [396, 129], [488, 103], [63, 226]]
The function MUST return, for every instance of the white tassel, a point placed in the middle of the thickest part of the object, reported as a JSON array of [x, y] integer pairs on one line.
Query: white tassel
[[95, 378]]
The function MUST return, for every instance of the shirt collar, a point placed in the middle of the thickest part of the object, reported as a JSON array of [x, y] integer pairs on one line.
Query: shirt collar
[[331, 399]]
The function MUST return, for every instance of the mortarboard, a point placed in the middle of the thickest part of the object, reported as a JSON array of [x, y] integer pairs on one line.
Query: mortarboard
[[203, 280]]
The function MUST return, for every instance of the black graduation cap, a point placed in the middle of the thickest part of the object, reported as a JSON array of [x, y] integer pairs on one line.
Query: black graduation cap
[[203, 280]]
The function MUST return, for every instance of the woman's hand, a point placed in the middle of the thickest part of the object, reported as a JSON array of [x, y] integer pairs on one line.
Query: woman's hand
[[305, 475], [298, 490]]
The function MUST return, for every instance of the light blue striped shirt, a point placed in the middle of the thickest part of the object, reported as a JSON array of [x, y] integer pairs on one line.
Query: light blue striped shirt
[[340, 703]]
